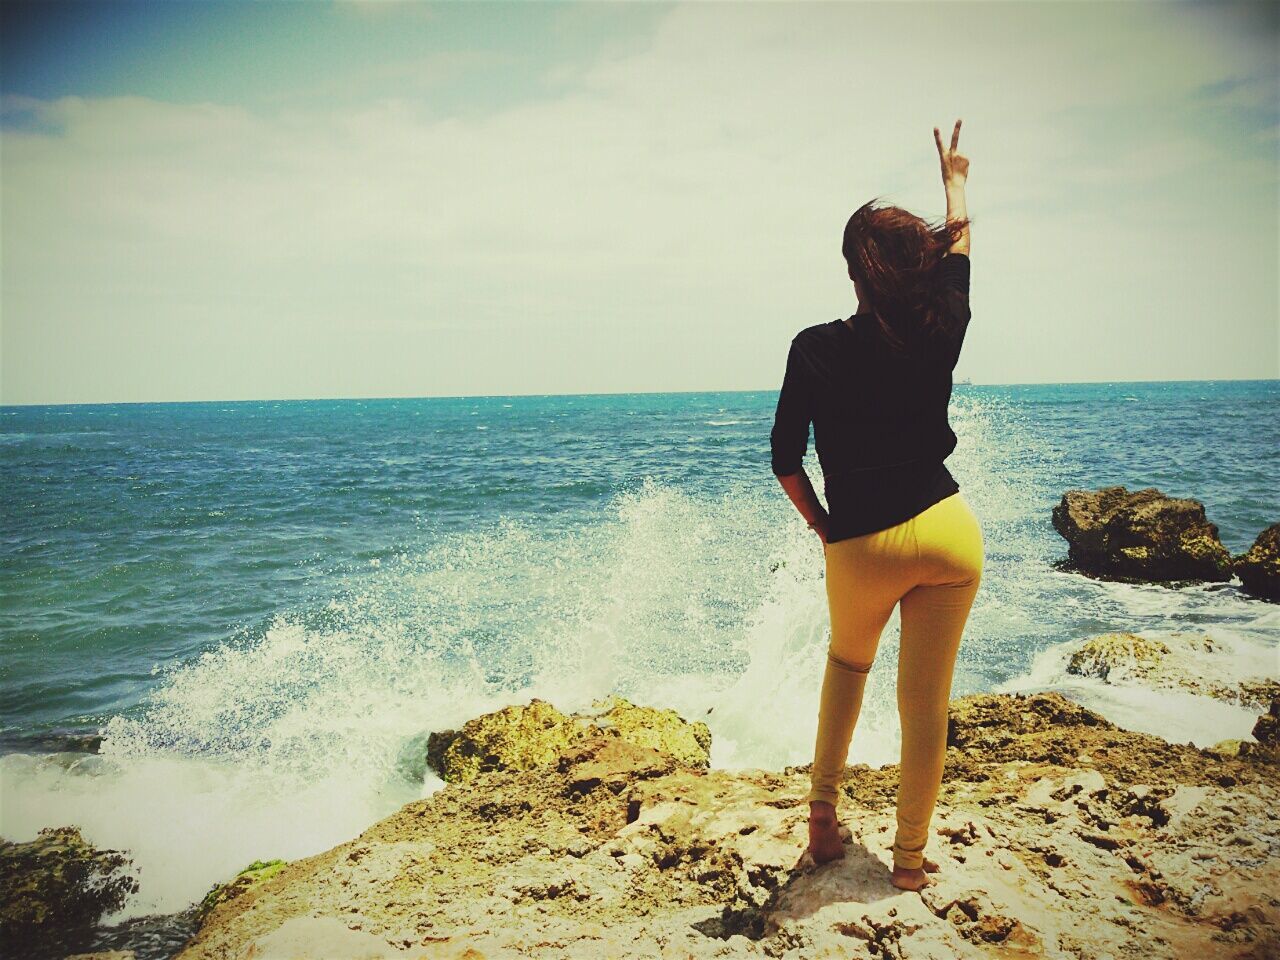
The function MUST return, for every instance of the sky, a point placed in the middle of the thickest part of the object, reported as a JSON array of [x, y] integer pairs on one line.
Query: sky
[[269, 200]]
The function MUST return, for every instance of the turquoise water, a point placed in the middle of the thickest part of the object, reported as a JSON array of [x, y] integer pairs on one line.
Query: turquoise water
[[266, 607]]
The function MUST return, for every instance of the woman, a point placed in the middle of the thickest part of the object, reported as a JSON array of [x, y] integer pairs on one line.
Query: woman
[[896, 529]]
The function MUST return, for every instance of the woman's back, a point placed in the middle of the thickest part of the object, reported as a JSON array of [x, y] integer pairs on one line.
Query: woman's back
[[879, 412]]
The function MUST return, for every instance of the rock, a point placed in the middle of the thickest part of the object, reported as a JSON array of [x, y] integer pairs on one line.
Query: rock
[[1231, 748], [247, 878], [1135, 655], [1265, 748], [1259, 567], [104, 955], [1260, 692], [1143, 848], [1143, 535], [1267, 729], [537, 734], [51, 741], [663, 730], [513, 738], [1178, 661], [606, 760], [55, 888]]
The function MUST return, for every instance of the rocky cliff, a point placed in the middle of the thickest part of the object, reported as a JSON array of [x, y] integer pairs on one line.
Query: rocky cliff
[[1057, 835]]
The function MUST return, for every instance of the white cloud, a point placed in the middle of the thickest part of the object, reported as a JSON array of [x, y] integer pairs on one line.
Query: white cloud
[[666, 223]]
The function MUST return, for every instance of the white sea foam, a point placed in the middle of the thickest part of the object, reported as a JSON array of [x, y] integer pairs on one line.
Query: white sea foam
[[1172, 712]]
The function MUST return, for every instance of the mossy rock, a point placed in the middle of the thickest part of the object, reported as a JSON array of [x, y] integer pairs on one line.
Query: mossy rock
[[54, 889], [519, 737], [533, 735], [1230, 748]]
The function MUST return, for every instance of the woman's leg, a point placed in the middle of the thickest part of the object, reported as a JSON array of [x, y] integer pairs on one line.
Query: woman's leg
[[934, 614], [865, 577], [841, 702]]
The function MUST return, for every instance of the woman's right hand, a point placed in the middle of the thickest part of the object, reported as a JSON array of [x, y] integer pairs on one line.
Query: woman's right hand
[[819, 526], [955, 166]]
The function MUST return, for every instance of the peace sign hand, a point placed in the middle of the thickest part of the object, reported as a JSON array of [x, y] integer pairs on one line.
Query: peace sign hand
[[955, 166]]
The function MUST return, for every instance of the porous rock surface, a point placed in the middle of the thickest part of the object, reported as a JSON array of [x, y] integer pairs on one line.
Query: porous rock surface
[[1058, 835], [1142, 535]]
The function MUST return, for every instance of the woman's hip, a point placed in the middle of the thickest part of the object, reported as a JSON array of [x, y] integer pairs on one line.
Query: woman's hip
[[950, 541]]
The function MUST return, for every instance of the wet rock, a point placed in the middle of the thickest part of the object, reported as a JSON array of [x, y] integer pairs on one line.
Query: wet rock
[[1264, 748], [1058, 834], [1267, 729], [51, 741], [1175, 661], [1140, 535], [55, 888], [1130, 653], [525, 737], [1259, 567], [1261, 691]]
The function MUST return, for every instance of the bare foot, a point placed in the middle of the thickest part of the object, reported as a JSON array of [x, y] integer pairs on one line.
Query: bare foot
[[825, 842], [905, 879]]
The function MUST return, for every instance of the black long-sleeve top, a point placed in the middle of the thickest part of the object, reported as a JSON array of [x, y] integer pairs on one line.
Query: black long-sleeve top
[[879, 417]]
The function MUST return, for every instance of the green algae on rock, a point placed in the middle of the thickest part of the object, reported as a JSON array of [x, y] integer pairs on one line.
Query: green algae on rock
[[255, 873]]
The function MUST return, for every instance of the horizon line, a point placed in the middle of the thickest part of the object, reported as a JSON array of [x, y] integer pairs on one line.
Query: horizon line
[[610, 393]]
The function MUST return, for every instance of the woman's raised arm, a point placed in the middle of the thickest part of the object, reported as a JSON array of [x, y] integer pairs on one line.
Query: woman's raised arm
[[955, 171]]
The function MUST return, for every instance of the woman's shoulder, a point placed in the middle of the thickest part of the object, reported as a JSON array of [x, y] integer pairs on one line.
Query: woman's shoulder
[[820, 333]]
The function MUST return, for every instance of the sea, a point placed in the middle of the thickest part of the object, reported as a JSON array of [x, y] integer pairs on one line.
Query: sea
[[227, 629]]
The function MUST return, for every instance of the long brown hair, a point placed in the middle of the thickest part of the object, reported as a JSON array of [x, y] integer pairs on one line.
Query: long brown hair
[[894, 255]]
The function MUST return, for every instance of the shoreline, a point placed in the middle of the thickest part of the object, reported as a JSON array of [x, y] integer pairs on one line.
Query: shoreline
[[1035, 783]]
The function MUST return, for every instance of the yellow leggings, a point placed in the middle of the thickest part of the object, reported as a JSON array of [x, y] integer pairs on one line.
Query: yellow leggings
[[932, 564]]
